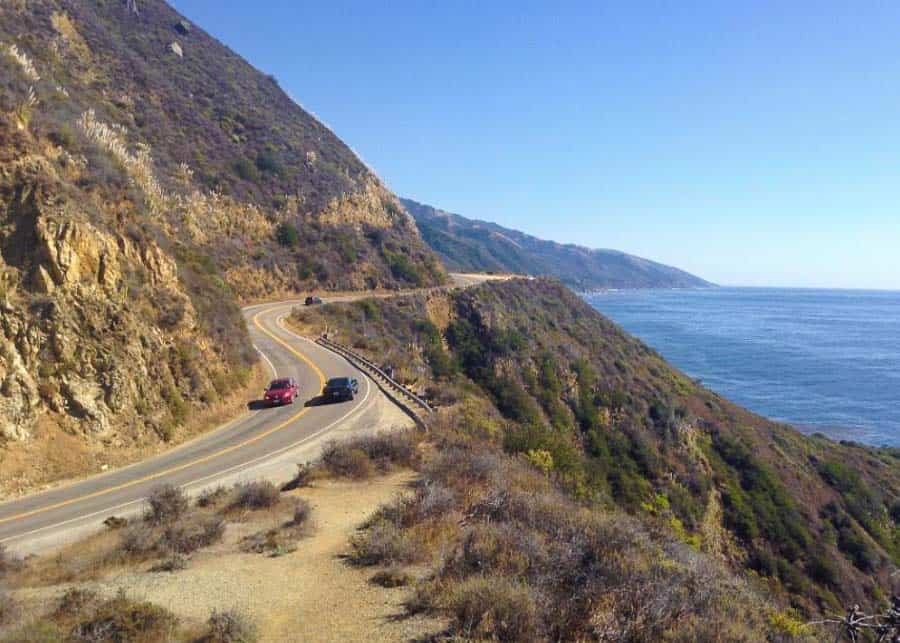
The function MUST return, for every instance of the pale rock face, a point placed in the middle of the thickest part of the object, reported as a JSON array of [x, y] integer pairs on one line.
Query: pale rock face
[[43, 282], [374, 206], [19, 396], [75, 252], [80, 355], [86, 401]]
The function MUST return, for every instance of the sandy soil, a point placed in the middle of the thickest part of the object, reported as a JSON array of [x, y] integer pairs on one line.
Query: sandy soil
[[312, 594], [467, 279]]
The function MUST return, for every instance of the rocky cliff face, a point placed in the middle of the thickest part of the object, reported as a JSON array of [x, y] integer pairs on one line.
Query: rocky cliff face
[[144, 193], [96, 327]]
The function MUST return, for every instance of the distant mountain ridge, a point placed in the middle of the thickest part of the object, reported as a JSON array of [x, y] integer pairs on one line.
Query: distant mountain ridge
[[469, 245]]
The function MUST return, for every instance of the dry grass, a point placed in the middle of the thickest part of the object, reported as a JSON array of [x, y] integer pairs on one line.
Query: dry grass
[[230, 627], [283, 538], [514, 559], [9, 609], [9, 562], [83, 560], [169, 531]]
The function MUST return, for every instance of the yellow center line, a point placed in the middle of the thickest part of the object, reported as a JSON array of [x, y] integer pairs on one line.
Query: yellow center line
[[206, 458]]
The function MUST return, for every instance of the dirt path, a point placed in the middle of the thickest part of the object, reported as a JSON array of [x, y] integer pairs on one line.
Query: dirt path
[[309, 595]]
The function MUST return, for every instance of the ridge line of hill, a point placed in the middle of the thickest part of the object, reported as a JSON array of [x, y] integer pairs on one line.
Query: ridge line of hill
[[470, 245]]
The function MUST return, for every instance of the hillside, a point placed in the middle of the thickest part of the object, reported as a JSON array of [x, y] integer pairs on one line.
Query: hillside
[[531, 368], [150, 181], [467, 245]]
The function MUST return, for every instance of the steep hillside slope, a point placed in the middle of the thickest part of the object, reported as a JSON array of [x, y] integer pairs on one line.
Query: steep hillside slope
[[150, 180], [467, 245], [813, 521]]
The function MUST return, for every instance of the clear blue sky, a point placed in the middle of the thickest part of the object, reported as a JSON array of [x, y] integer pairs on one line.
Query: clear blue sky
[[751, 143]]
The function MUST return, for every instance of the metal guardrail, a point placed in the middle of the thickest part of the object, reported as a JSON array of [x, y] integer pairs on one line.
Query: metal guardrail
[[388, 384]]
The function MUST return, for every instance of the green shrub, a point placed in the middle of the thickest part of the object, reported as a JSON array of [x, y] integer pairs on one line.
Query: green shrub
[[245, 169], [268, 163], [758, 504], [287, 235], [403, 268]]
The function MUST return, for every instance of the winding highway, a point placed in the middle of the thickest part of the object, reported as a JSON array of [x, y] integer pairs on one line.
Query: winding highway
[[256, 439]]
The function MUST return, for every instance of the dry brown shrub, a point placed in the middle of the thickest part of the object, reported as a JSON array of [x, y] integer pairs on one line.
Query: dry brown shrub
[[494, 608], [230, 627], [165, 504], [392, 577], [122, 619], [260, 494], [194, 532], [345, 461], [385, 543]]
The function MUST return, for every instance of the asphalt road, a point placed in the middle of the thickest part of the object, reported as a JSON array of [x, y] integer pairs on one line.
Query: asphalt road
[[259, 435]]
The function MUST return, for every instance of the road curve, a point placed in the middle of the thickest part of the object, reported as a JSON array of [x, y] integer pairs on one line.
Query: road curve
[[259, 435]]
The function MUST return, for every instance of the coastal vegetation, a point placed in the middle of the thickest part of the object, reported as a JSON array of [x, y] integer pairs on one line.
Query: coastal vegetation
[[535, 374]]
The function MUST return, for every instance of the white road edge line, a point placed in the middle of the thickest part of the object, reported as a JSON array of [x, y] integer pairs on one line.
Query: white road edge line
[[198, 481], [362, 405], [268, 361]]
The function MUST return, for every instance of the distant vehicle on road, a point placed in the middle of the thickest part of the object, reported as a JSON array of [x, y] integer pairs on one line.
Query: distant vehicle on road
[[282, 391], [340, 388], [313, 300]]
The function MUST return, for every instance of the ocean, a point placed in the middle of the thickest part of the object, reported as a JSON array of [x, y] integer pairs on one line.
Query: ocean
[[822, 360]]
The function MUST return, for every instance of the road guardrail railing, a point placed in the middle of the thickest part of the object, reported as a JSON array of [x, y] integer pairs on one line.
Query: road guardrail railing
[[412, 404]]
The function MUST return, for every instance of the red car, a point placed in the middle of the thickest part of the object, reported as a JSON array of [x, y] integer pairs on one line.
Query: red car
[[282, 391]]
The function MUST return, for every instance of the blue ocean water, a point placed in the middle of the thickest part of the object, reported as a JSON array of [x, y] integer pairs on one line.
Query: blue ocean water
[[822, 360]]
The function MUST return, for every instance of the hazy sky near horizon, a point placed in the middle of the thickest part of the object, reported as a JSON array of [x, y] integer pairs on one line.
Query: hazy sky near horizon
[[750, 143]]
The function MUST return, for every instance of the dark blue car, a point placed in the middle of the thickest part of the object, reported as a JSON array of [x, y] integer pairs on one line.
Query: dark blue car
[[340, 388]]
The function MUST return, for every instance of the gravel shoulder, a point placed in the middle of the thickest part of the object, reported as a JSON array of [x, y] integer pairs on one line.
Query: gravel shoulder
[[312, 594]]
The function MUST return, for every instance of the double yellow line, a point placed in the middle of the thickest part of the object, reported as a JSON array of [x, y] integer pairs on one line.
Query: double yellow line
[[201, 460]]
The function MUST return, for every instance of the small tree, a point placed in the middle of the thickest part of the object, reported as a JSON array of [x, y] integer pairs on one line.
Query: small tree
[[287, 235]]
